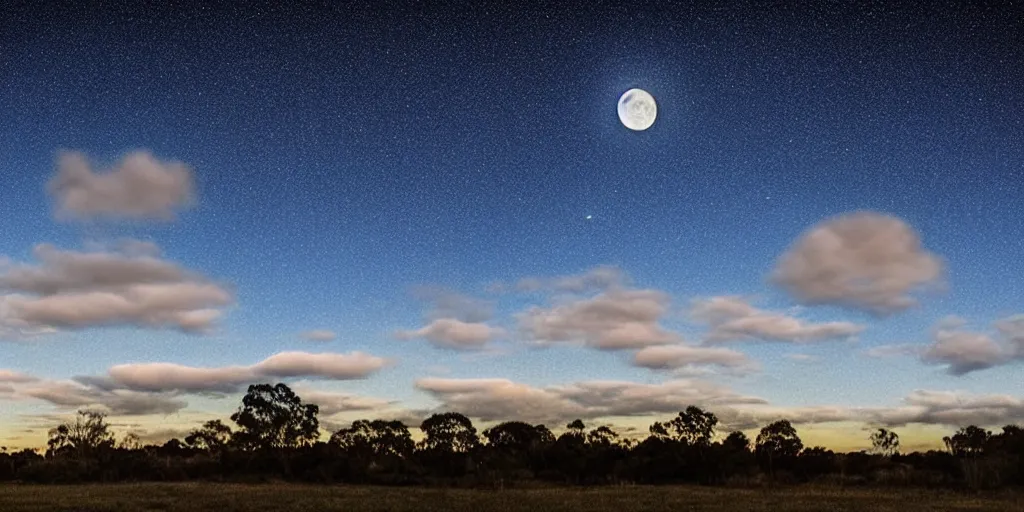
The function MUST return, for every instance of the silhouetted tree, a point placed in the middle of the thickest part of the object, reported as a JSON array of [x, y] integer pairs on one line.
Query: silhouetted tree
[[733, 457], [277, 433], [211, 437], [514, 447], [737, 441], [378, 438], [517, 436], [694, 426], [275, 417], [449, 432], [777, 446], [815, 462], [130, 442], [88, 434], [448, 444], [885, 442], [969, 440], [602, 436], [379, 449]]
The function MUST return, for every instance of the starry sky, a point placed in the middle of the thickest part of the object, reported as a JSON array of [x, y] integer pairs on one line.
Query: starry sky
[[420, 207]]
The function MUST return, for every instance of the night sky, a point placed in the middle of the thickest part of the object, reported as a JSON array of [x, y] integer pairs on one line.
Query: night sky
[[433, 206]]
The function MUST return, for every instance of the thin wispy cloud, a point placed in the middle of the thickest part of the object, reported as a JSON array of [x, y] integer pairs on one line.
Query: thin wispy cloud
[[319, 335], [732, 319]]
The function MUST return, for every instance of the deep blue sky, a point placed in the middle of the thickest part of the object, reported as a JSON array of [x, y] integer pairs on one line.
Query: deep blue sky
[[345, 155]]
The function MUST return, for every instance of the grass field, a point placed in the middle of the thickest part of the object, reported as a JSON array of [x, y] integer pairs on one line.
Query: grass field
[[230, 497]]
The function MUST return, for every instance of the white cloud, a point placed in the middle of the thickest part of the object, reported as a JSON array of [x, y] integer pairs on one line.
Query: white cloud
[[964, 352], [75, 290], [681, 356], [453, 333], [354, 365], [733, 319], [319, 335], [174, 377], [864, 260], [139, 187], [613, 320], [119, 402]]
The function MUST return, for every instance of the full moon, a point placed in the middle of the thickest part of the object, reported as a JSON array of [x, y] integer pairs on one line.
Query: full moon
[[637, 109]]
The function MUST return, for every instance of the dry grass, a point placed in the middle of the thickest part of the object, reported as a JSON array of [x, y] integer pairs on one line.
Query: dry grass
[[197, 497]]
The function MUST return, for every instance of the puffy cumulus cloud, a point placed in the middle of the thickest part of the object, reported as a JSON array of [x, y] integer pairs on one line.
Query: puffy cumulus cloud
[[139, 187], [118, 402], [453, 333], [864, 260], [319, 335], [963, 351], [733, 319], [173, 377], [600, 278], [666, 357], [128, 286], [502, 399], [613, 320]]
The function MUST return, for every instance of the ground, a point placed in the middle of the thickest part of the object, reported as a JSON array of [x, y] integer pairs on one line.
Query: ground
[[198, 497]]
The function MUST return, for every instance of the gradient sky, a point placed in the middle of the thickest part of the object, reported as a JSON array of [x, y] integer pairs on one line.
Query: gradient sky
[[825, 222]]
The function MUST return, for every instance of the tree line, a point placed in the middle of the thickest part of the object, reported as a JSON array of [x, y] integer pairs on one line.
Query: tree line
[[277, 437]]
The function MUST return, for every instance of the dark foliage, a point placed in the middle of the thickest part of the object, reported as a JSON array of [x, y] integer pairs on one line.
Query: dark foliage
[[277, 437]]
